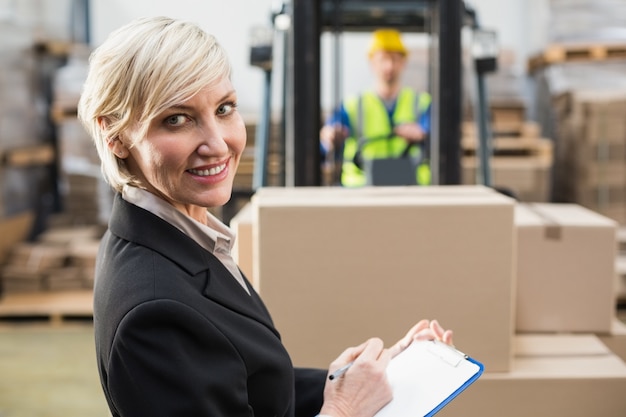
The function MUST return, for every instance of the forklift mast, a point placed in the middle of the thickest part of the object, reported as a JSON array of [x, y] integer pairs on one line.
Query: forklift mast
[[441, 19]]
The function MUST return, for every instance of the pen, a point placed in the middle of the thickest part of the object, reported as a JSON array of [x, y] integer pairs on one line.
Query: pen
[[340, 371]]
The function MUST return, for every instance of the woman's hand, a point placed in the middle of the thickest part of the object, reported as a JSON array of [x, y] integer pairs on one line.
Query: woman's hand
[[363, 389], [423, 330]]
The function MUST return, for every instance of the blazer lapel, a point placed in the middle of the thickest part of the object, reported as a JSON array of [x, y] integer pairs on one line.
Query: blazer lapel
[[222, 288], [135, 224]]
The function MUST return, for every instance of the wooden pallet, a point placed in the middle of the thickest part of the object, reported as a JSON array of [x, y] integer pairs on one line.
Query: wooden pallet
[[559, 53], [508, 139], [26, 156], [502, 128], [59, 112], [56, 306], [504, 146]]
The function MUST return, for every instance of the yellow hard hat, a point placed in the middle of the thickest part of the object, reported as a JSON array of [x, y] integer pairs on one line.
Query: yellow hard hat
[[386, 40]]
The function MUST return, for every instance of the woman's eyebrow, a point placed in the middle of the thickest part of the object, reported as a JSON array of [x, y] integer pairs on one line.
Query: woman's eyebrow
[[177, 107], [182, 106]]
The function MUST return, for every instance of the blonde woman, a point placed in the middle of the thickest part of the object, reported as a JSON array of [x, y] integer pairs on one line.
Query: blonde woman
[[179, 330]]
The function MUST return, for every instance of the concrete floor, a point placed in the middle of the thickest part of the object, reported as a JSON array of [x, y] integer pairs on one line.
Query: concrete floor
[[50, 370]]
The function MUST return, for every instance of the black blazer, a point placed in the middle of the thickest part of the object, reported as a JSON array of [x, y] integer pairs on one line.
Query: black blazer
[[176, 335]]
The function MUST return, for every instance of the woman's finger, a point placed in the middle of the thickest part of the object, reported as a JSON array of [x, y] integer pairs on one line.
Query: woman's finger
[[408, 338]]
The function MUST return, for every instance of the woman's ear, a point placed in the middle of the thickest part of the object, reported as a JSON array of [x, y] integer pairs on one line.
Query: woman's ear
[[118, 148], [115, 144], [103, 123]]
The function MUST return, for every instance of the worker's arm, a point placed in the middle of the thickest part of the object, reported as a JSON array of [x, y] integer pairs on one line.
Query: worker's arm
[[412, 132], [336, 129], [415, 132]]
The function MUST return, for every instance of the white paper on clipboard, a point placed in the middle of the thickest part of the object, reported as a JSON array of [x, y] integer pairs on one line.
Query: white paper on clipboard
[[425, 377]]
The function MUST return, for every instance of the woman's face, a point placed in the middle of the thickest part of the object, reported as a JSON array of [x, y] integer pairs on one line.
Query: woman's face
[[191, 151]]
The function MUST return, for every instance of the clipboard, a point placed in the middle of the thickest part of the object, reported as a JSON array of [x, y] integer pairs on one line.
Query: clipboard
[[426, 376]]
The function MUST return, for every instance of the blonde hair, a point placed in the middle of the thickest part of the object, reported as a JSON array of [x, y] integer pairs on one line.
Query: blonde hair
[[142, 69]]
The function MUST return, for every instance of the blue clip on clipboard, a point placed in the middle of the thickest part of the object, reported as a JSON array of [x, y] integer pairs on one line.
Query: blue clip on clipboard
[[425, 377]]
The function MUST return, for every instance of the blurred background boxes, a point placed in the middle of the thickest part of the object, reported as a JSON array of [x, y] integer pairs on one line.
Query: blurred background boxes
[[527, 177], [587, 109], [13, 230], [60, 259], [337, 267]]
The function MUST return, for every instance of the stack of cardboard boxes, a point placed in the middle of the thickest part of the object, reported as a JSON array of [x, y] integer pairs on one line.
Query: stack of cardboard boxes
[[527, 289], [520, 158], [60, 259], [590, 157]]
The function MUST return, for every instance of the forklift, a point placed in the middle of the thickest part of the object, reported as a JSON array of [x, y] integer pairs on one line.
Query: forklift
[[296, 28]]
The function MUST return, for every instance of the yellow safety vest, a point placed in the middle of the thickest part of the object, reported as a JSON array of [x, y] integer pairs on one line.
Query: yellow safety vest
[[369, 120]]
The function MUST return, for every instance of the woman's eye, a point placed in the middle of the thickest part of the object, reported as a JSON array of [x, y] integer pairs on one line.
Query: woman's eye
[[226, 109], [176, 120]]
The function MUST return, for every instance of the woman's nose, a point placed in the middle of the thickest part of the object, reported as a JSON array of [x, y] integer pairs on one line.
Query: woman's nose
[[204, 149], [212, 143]]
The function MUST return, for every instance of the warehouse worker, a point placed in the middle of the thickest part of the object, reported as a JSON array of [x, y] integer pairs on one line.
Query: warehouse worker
[[179, 330], [382, 122]]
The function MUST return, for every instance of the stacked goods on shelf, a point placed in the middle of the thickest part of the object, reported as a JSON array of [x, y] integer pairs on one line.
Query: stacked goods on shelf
[[581, 101], [560, 53], [23, 158], [60, 259], [520, 160], [243, 184], [29, 266], [590, 157], [86, 197], [245, 173], [508, 118], [14, 229], [583, 21]]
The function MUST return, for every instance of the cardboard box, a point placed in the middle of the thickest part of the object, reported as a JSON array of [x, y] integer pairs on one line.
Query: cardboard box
[[615, 211], [565, 269], [604, 173], [241, 224], [603, 195], [597, 115], [616, 338], [551, 375], [336, 266]]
